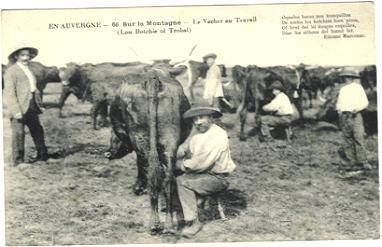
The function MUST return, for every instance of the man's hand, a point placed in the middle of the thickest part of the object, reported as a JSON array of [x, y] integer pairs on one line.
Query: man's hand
[[183, 152], [18, 116]]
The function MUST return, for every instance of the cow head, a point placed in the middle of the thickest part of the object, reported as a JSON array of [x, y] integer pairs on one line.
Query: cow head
[[117, 149], [52, 74], [238, 75], [71, 77]]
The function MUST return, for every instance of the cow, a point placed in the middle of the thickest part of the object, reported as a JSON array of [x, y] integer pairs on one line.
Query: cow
[[44, 74], [318, 79], [255, 87], [197, 70], [369, 77], [146, 117], [95, 83]]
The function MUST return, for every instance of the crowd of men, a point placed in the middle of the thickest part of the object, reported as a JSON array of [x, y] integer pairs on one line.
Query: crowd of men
[[204, 158]]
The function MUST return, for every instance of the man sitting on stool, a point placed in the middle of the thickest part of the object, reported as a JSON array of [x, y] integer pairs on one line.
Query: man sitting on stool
[[281, 109], [205, 160]]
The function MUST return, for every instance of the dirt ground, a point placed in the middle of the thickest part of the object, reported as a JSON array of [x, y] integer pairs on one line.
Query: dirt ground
[[279, 191]]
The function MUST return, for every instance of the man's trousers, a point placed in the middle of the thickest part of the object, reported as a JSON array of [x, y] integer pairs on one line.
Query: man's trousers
[[273, 121], [190, 185], [353, 141], [32, 121]]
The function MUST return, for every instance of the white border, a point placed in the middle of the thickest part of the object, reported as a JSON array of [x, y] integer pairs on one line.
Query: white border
[[46, 4]]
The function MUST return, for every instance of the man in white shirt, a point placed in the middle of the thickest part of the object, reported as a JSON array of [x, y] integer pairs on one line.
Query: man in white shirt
[[213, 87], [205, 159], [351, 101], [23, 103], [281, 110]]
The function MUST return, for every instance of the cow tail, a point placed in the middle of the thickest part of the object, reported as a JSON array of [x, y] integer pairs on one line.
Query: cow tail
[[155, 171]]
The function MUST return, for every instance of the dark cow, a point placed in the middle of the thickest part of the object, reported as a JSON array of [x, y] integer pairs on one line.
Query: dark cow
[[44, 74], [95, 83], [199, 70], [3, 68], [146, 117], [256, 92], [369, 77], [317, 80]]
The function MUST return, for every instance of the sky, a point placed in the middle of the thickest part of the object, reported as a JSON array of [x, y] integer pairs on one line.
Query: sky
[[259, 42]]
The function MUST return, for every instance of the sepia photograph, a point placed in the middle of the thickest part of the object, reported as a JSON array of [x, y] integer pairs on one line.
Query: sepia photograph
[[190, 124]]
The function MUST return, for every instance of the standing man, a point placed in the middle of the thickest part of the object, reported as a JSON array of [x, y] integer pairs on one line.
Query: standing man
[[206, 162], [213, 88], [351, 101], [280, 108], [23, 104]]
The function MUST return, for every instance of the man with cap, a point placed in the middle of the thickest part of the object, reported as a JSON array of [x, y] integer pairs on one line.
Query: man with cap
[[351, 101], [205, 160], [213, 88], [280, 109], [23, 104]]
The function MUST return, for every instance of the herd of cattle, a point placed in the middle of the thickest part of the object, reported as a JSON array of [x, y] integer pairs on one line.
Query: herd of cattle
[[145, 104]]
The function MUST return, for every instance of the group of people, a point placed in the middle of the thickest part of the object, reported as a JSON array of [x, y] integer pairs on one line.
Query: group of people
[[204, 157]]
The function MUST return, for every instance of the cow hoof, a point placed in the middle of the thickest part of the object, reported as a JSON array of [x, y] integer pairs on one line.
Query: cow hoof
[[139, 190], [107, 155], [243, 138], [156, 229], [169, 231]]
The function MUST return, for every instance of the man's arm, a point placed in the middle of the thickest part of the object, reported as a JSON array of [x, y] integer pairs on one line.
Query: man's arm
[[272, 106], [10, 98], [340, 100], [363, 100]]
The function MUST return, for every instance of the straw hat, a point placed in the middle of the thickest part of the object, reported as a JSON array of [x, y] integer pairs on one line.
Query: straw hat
[[349, 73], [33, 52], [277, 85], [212, 55], [202, 111]]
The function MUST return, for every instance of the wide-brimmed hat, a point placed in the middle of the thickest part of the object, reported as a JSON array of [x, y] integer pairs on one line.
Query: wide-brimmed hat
[[277, 85], [202, 111], [212, 55], [349, 73], [33, 52]]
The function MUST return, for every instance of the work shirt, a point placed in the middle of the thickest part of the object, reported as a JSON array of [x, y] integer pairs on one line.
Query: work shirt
[[352, 98], [29, 74], [210, 152], [213, 86], [281, 105]]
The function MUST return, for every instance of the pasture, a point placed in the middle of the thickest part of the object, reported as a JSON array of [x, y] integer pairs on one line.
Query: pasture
[[279, 191]]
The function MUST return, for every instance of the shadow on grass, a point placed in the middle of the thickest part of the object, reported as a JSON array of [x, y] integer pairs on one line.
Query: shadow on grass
[[233, 202]]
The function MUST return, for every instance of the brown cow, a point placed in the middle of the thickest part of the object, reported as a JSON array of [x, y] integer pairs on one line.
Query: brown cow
[[44, 74], [95, 83], [146, 117]]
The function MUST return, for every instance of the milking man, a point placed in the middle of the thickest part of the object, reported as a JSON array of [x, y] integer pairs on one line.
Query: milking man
[[281, 111], [205, 159]]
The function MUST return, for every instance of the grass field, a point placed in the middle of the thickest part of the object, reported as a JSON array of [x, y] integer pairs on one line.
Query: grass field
[[279, 191]]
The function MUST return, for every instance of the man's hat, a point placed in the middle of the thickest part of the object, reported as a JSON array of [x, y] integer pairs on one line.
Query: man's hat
[[277, 85], [212, 55], [202, 110], [349, 73], [33, 52]]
